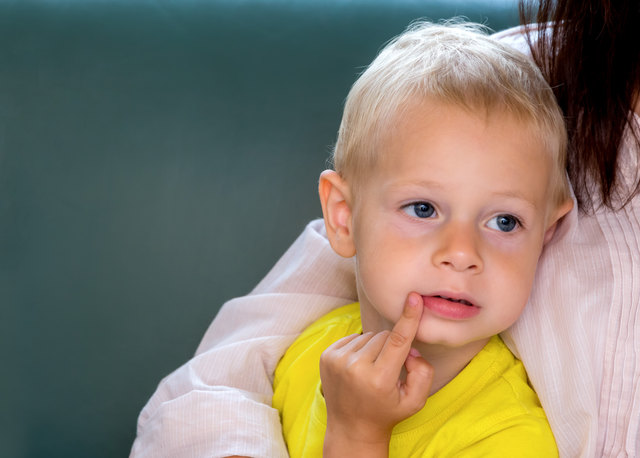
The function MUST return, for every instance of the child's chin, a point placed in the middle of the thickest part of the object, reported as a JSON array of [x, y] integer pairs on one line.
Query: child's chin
[[449, 340]]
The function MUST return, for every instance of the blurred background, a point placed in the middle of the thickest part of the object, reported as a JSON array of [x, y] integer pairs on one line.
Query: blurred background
[[156, 159]]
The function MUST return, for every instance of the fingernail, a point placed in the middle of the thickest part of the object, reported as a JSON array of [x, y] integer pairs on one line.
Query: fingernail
[[412, 300], [413, 352]]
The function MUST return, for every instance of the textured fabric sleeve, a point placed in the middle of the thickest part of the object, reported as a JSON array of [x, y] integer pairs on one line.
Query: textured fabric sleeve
[[219, 402]]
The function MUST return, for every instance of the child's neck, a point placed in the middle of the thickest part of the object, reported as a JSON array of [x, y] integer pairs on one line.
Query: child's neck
[[447, 362]]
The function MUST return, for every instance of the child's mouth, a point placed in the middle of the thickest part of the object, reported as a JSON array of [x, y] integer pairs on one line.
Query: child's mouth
[[459, 301], [451, 308]]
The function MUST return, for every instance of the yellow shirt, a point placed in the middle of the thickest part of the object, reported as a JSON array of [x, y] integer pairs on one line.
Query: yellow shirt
[[487, 410]]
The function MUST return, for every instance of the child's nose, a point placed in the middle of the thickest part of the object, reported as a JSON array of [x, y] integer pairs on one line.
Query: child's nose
[[458, 249]]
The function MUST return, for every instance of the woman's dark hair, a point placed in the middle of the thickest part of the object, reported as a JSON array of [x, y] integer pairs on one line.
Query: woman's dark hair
[[589, 51]]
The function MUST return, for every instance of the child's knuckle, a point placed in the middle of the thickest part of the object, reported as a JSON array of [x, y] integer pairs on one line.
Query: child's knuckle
[[378, 383], [397, 339]]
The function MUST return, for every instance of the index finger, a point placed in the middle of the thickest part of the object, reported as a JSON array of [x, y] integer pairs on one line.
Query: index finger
[[398, 343]]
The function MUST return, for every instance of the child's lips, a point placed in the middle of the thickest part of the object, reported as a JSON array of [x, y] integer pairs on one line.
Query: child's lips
[[451, 306], [459, 297], [460, 301]]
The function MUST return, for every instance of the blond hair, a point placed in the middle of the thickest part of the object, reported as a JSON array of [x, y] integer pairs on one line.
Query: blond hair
[[454, 63]]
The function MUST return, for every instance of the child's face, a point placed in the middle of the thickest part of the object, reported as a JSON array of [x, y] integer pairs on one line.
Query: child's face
[[457, 211]]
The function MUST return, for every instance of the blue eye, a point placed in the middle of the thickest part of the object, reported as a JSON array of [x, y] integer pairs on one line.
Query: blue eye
[[420, 210], [504, 223]]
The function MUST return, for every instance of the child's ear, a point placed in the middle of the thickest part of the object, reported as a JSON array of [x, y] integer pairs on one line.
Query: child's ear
[[560, 212], [335, 198]]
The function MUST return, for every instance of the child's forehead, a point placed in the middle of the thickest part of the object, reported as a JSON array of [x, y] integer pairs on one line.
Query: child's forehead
[[431, 126], [435, 145]]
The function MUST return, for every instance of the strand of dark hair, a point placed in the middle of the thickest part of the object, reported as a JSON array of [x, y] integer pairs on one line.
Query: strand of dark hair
[[592, 62]]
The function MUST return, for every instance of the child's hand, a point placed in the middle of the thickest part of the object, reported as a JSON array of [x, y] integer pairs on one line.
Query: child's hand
[[361, 383]]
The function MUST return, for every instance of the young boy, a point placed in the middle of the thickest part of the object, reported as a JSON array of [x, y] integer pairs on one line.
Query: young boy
[[449, 180]]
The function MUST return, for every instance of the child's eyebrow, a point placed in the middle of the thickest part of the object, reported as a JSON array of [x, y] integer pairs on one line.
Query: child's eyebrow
[[511, 194], [428, 184]]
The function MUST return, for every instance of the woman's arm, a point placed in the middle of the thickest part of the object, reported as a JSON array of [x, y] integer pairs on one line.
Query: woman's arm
[[219, 402]]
